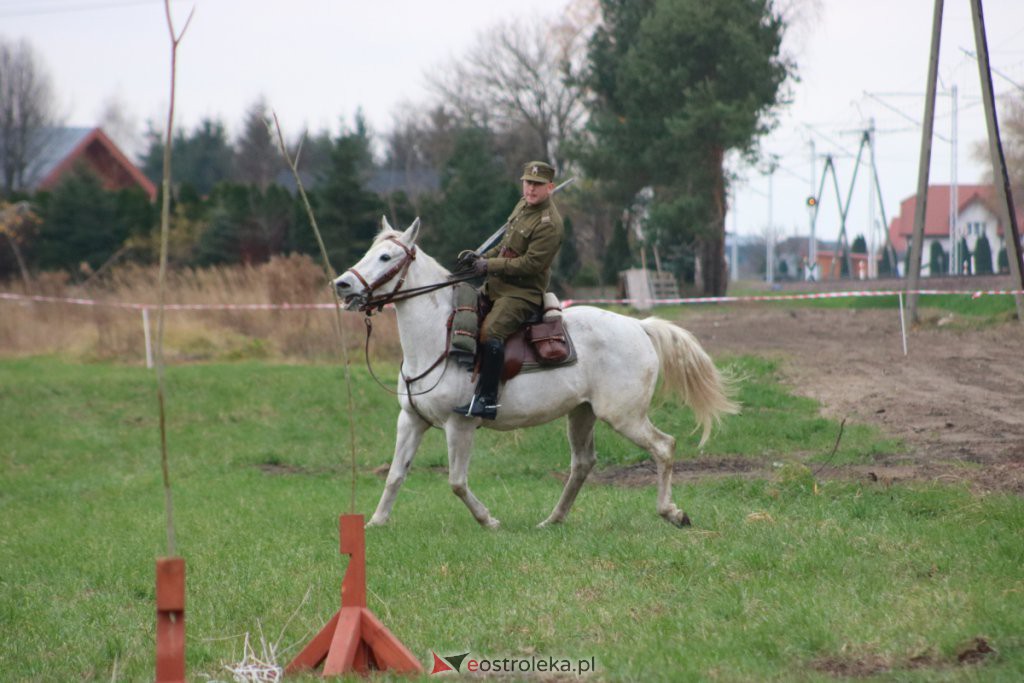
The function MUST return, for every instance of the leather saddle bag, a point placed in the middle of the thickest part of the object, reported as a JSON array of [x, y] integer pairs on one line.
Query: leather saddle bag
[[549, 341]]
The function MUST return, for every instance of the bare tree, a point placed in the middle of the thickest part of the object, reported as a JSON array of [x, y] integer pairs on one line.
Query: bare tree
[[522, 77], [27, 112], [120, 125], [1013, 146]]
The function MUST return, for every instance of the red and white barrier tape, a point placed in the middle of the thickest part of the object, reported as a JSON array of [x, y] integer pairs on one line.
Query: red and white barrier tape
[[565, 303], [169, 307], [788, 297]]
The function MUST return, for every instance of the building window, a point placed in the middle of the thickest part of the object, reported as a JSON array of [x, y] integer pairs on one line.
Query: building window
[[976, 228]]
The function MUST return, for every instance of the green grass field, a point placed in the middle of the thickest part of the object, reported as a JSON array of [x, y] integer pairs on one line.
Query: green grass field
[[776, 580]]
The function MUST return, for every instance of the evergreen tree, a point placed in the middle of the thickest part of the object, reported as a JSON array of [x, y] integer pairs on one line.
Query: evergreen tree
[[348, 214], [246, 225], [568, 264], [257, 159], [965, 258], [938, 263], [884, 265], [860, 245], [476, 198], [982, 256], [677, 84], [618, 257], [200, 159], [1003, 261], [204, 158], [82, 223]]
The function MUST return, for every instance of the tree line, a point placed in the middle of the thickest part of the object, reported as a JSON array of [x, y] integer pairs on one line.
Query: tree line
[[641, 100]]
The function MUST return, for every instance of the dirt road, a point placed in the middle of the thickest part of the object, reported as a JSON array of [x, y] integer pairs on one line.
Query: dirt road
[[956, 399]]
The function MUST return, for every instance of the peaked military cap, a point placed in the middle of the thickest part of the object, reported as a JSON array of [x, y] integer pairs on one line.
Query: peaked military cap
[[538, 172]]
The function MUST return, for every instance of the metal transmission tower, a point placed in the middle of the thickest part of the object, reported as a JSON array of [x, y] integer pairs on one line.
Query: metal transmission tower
[[843, 242]]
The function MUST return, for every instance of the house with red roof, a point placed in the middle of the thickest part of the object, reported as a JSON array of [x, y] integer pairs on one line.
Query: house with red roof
[[976, 214], [67, 149]]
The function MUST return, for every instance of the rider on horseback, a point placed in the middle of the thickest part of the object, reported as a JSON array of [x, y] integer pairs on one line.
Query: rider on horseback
[[518, 270]]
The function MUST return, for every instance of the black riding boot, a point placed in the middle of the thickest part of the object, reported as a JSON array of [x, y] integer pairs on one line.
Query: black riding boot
[[485, 402]]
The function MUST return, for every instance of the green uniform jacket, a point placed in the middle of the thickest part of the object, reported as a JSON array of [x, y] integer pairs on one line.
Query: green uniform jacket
[[520, 266]]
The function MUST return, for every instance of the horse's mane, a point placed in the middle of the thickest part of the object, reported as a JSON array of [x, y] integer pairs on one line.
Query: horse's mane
[[386, 233]]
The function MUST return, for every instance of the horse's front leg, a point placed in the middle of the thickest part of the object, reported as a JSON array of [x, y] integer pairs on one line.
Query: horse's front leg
[[410, 433], [459, 433]]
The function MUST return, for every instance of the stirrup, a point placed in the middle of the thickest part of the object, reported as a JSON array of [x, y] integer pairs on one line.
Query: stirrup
[[477, 407]]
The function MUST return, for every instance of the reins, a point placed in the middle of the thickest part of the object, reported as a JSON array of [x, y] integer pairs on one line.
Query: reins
[[408, 380]]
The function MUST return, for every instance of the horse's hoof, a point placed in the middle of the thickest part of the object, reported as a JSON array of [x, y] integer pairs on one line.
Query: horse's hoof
[[375, 522], [548, 522], [677, 518], [491, 523]]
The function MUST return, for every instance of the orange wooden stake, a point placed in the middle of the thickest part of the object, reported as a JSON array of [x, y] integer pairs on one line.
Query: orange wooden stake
[[354, 639], [170, 620]]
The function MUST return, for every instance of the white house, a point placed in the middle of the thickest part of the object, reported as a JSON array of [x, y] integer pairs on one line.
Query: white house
[[975, 216]]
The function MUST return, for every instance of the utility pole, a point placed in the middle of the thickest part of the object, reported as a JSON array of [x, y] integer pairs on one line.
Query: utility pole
[[999, 173], [812, 211], [872, 223], [924, 163], [734, 262], [773, 163], [954, 192]]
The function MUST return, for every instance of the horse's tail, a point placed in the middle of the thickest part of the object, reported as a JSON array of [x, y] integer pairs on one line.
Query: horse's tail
[[688, 371]]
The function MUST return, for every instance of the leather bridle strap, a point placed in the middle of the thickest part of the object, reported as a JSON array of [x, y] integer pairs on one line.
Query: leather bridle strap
[[400, 268]]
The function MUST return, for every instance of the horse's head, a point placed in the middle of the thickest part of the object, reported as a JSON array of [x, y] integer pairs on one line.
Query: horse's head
[[383, 268]]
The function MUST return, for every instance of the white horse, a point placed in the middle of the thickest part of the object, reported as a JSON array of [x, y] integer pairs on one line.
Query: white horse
[[613, 380]]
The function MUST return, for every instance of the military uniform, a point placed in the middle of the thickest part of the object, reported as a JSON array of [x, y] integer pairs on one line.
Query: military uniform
[[518, 271], [519, 268]]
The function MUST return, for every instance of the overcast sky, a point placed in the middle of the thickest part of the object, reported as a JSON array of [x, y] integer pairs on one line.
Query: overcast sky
[[317, 61]]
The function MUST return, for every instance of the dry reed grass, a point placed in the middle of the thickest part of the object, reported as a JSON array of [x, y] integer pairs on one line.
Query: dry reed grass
[[111, 333]]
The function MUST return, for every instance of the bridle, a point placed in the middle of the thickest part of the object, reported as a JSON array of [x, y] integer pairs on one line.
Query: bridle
[[373, 302], [399, 269]]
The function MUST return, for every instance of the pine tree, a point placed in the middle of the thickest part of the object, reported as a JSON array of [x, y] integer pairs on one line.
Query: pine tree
[[257, 160], [82, 223], [938, 262], [965, 258], [676, 84], [348, 214], [982, 256], [568, 257], [618, 256], [477, 196]]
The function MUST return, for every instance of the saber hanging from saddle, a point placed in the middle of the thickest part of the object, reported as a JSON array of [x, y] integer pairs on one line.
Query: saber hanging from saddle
[[491, 241]]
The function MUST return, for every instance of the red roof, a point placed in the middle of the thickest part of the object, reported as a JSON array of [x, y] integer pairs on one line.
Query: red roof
[[100, 154], [936, 221]]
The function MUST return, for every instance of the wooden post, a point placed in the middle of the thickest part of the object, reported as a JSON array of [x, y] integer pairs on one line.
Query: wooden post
[[170, 620], [354, 640], [1000, 177], [924, 165]]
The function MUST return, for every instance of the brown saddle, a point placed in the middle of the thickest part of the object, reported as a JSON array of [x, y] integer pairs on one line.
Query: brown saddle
[[538, 346]]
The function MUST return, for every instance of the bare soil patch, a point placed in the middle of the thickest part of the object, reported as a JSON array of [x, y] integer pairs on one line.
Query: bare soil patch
[[956, 400]]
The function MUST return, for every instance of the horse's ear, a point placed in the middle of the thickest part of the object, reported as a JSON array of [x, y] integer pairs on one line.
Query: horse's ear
[[412, 233], [384, 225]]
